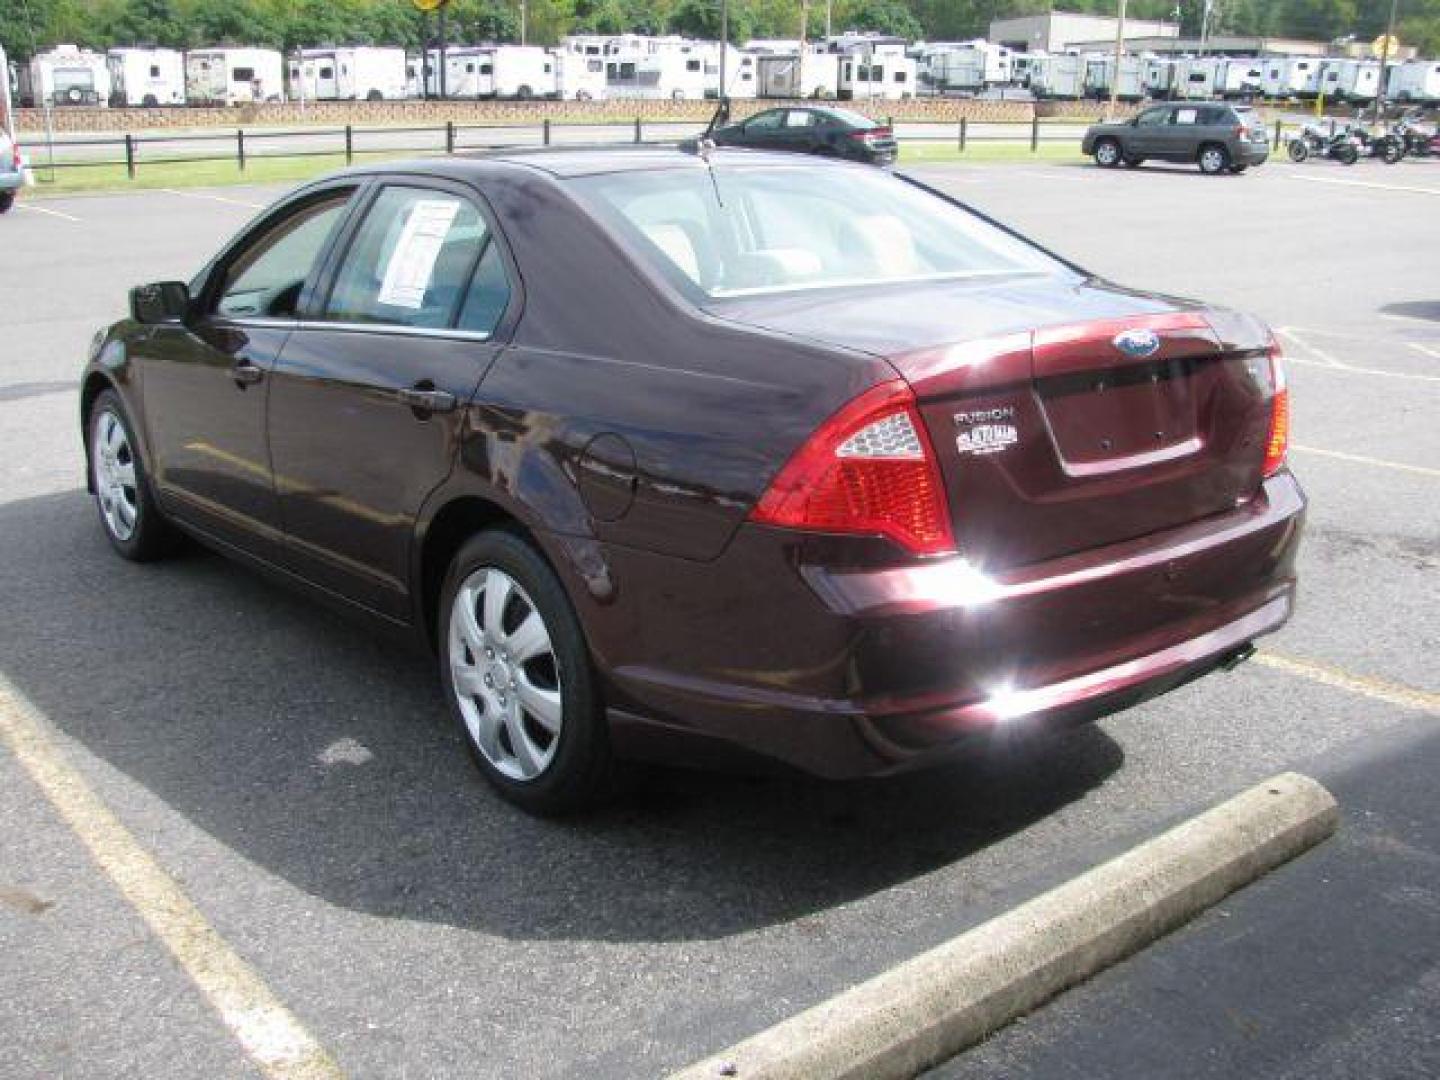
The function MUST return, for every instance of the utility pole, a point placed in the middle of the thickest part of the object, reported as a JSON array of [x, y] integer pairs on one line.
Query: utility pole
[[523, 14], [724, 43], [1119, 51], [800, 59], [828, 5], [440, 18], [1384, 57]]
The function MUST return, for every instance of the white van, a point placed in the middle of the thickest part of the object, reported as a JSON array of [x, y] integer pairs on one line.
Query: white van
[[360, 73], [146, 77], [234, 76]]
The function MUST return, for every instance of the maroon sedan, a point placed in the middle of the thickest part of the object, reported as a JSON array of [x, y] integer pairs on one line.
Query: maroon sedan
[[666, 453]]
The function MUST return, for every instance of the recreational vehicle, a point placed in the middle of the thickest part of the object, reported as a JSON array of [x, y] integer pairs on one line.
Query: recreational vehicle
[[674, 74], [1196, 78], [234, 76], [524, 72], [1416, 80], [1350, 80], [807, 75], [1240, 79], [361, 73], [146, 77], [877, 73], [1159, 76], [1291, 77], [1100, 75], [1061, 76], [65, 76], [579, 76]]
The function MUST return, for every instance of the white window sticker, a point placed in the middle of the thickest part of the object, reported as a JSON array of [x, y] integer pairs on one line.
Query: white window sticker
[[1185, 116], [412, 263]]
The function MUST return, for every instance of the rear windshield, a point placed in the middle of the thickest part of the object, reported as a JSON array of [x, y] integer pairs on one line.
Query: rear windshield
[[742, 231]]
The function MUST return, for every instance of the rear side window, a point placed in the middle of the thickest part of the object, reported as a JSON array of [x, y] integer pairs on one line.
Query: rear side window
[[414, 262]]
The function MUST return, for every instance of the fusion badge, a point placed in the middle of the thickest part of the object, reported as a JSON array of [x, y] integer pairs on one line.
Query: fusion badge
[[984, 431]]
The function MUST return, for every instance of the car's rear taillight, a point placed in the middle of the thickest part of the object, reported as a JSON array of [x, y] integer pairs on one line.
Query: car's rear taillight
[[871, 134], [869, 469], [19, 161], [1277, 441]]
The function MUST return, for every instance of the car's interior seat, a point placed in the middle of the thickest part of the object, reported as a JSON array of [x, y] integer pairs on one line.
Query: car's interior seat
[[883, 244]]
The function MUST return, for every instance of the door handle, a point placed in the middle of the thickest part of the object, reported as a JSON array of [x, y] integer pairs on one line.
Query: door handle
[[246, 374], [426, 400]]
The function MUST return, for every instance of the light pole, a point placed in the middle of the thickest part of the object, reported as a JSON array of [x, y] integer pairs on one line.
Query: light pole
[[1119, 51], [724, 42], [1384, 57]]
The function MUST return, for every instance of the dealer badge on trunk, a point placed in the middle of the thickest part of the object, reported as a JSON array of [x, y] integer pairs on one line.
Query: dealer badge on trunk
[[984, 431]]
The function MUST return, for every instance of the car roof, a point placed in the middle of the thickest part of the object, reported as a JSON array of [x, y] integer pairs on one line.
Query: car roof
[[571, 161]]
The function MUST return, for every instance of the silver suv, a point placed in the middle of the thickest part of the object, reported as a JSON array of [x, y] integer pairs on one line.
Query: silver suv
[[1216, 136], [12, 174]]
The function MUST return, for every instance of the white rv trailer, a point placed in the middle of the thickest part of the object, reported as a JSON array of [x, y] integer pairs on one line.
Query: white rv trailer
[[1196, 77], [1291, 77], [1240, 78], [1061, 76], [742, 74], [359, 73], [676, 72], [523, 72], [146, 77], [1417, 81], [1349, 80], [794, 76], [1022, 66], [877, 72], [1100, 74], [225, 76], [963, 68], [65, 76], [579, 76], [1159, 76]]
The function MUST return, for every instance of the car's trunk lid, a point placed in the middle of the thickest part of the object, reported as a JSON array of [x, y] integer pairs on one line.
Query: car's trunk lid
[[1069, 418]]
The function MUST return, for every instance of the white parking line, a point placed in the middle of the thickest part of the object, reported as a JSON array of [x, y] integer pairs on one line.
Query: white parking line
[[1361, 459], [213, 198], [1364, 184], [44, 210], [267, 1031], [1323, 359], [1424, 350]]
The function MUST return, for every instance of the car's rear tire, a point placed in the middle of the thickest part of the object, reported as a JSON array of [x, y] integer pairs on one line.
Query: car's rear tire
[[1298, 150], [1107, 153], [1392, 153], [518, 679], [1348, 155], [132, 521], [1213, 159], [7, 200]]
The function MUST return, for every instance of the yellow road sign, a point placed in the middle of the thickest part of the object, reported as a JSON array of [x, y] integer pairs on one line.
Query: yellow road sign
[[429, 5], [1381, 47]]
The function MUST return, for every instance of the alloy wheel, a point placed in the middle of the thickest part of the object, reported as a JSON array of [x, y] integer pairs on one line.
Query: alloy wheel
[[113, 465], [505, 674]]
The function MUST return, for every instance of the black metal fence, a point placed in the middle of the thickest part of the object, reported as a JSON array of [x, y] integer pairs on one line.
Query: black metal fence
[[243, 147]]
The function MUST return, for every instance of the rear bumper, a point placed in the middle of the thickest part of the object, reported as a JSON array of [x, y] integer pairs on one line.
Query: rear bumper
[[11, 181], [1253, 154], [856, 672]]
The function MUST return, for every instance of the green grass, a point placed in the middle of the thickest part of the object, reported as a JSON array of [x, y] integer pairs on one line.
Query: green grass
[[258, 170], [283, 170], [927, 152]]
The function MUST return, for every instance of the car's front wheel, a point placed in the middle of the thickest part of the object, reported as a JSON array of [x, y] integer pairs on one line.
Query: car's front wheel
[[128, 513], [7, 200], [1214, 160], [1107, 153], [518, 678]]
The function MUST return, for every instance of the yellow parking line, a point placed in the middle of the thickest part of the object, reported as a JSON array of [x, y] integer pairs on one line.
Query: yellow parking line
[[267, 1031], [1361, 459], [1406, 697]]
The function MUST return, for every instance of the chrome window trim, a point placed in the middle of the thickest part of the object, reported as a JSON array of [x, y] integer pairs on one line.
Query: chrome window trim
[[395, 331]]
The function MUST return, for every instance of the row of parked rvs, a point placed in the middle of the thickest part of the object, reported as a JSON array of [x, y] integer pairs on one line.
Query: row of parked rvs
[[1073, 76], [594, 67]]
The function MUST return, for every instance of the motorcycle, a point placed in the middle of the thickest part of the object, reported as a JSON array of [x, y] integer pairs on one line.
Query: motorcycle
[[1388, 147], [1416, 139], [1343, 146]]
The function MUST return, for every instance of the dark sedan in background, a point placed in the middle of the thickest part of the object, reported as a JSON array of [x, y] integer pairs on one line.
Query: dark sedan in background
[[666, 453], [1214, 135], [812, 130]]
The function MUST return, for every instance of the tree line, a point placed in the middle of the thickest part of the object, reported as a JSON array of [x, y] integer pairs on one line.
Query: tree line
[[29, 26]]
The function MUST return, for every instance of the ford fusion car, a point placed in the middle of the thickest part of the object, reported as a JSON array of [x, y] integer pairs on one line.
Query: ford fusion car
[[671, 455]]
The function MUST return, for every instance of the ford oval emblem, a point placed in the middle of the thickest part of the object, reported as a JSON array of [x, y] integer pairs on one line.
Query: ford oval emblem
[[1137, 343]]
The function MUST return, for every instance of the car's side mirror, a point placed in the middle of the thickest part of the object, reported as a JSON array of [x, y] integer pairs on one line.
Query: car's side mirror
[[162, 302]]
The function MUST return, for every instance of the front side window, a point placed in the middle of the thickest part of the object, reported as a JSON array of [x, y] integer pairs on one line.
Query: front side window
[[1153, 117], [412, 261], [766, 121], [752, 230], [265, 279]]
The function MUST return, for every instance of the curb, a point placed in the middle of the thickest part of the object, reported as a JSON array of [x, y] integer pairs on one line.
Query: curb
[[929, 1008]]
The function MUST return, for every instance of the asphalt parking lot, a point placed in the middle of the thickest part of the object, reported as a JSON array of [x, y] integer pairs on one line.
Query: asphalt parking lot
[[299, 780]]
